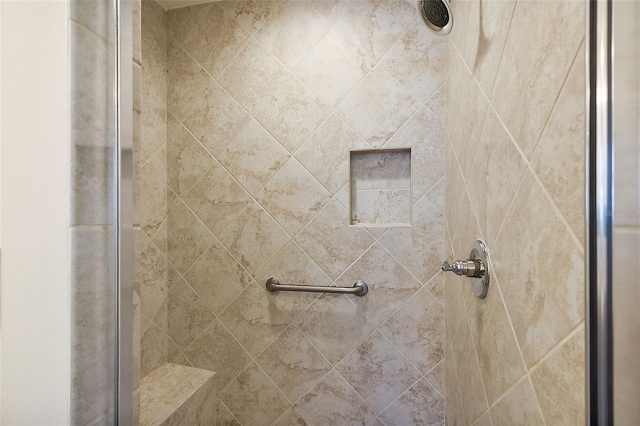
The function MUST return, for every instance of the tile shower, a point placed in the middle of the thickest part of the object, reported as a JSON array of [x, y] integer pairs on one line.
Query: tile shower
[[248, 113]]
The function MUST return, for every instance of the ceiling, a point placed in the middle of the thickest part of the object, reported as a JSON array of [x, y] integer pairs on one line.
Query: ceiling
[[174, 4]]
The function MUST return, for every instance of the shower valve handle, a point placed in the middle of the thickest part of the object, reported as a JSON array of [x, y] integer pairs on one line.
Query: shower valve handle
[[473, 268]]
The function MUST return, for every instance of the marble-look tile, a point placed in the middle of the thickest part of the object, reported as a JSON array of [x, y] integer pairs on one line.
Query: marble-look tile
[[151, 279], [292, 113], [559, 383], [136, 29], [253, 398], [559, 157], [435, 377], [153, 114], [187, 160], [465, 110], [187, 82], [187, 314], [292, 265], [217, 199], [183, 20], [187, 238], [554, 32], [479, 34], [389, 283], [217, 350], [224, 417], [92, 185], [154, 352], [417, 330], [374, 26], [424, 134], [420, 248], [254, 319], [420, 405], [436, 103], [343, 197], [333, 401], [216, 119], [153, 38], [498, 354], [436, 194], [253, 76], [334, 325], [544, 304], [293, 363], [417, 61], [293, 197], [471, 389], [217, 277], [518, 407], [436, 286], [326, 153], [484, 420], [159, 160], [150, 199], [92, 64], [331, 242], [254, 157], [92, 15], [369, 367], [454, 413], [381, 207], [498, 168], [381, 169], [290, 30], [377, 107], [215, 41], [291, 417], [333, 67], [253, 238]]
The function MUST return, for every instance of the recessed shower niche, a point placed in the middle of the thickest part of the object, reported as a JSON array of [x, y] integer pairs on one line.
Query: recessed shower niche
[[381, 187]]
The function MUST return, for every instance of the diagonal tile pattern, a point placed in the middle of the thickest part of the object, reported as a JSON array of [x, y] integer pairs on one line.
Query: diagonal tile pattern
[[266, 100]]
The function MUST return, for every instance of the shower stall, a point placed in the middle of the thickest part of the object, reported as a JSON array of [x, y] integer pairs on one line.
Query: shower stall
[[217, 144]]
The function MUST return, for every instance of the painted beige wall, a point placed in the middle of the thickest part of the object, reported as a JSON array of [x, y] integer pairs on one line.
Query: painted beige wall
[[515, 178], [35, 213], [265, 103]]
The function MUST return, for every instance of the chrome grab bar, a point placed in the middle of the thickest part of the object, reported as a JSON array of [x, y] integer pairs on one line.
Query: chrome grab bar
[[359, 288]]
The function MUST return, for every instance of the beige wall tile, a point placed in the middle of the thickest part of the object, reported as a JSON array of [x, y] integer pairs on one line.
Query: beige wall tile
[[253, 76], [217, 199], [263, 402], [417, 61], [435, 377], [215, 40], [331, 401], [291, 417], [293, 197], [374, 26], [187, 238], [417, 330], [559, 382], [216, 119], [293, 363], [381, 207], [254, 319], [453, 403], [292, 113], [369, 367], [420, 405], [254, 238], [559, 159], [553, 32], [253, 157], [187, 158], [544, 303], [183, 20], [217, 277], [217, 350], [154, 352], [377, 107], [151, 279], [333, 67], [324, 239], [390, 284], [187, 314], [518, 407], [326, 153], [186, 83]]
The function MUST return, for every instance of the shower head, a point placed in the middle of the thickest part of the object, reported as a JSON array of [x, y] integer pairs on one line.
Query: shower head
[[437, 15]]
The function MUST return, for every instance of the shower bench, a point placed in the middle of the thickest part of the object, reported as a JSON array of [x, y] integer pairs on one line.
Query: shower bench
[[177, 395]]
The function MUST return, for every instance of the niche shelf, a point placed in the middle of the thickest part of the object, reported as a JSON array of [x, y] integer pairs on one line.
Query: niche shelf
[[381, 187]]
